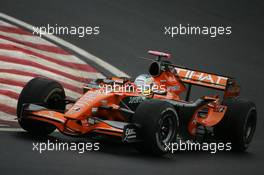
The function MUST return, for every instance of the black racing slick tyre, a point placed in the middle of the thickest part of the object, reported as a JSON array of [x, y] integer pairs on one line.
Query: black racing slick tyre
[[238, 125], [47, 93], [159, 123]]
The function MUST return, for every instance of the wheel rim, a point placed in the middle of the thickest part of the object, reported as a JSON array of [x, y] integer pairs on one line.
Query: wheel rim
[[55, 101], [166, 129]]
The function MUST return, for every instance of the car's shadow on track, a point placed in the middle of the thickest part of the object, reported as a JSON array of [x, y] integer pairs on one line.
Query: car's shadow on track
[[117, 148]]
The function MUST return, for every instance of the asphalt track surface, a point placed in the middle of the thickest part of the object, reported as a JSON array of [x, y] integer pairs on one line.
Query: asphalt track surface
[[128, 30]]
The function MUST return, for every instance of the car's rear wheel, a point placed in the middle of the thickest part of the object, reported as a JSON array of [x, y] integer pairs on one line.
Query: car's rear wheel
[[239, 123], [159, 125], [45, 92]]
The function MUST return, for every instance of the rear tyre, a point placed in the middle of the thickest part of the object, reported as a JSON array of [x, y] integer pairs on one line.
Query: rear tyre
[[47, 93], [159, 126], [238, 125]]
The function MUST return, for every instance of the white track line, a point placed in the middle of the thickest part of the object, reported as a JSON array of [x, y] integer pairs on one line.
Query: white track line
[[12, 130], [2, 23], [8, 101], [27, 57], [7, 117], [35, 70], [13, 88], [70, 46], [66, 58], [6, 87], [17, 130], [10, 76], [3, 125], [27, 38], [25, 79]]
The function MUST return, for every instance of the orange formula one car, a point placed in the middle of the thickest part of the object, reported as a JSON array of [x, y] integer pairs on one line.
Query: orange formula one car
[[148, 111]]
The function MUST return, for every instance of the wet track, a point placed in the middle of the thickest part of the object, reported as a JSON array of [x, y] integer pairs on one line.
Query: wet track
[[128, 30]]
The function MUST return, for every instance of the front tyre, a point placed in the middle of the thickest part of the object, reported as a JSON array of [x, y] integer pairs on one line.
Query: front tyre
[[45, 92], [159, 126]]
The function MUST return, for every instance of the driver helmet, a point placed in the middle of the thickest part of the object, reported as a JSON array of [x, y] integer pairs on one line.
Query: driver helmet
[[144, 83]]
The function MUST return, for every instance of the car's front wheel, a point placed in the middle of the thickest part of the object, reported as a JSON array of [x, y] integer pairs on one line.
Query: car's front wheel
[[41, 91]]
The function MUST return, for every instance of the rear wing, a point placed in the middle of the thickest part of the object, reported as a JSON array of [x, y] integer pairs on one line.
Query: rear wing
[[202, 78], [196, 77], [205, 79]]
